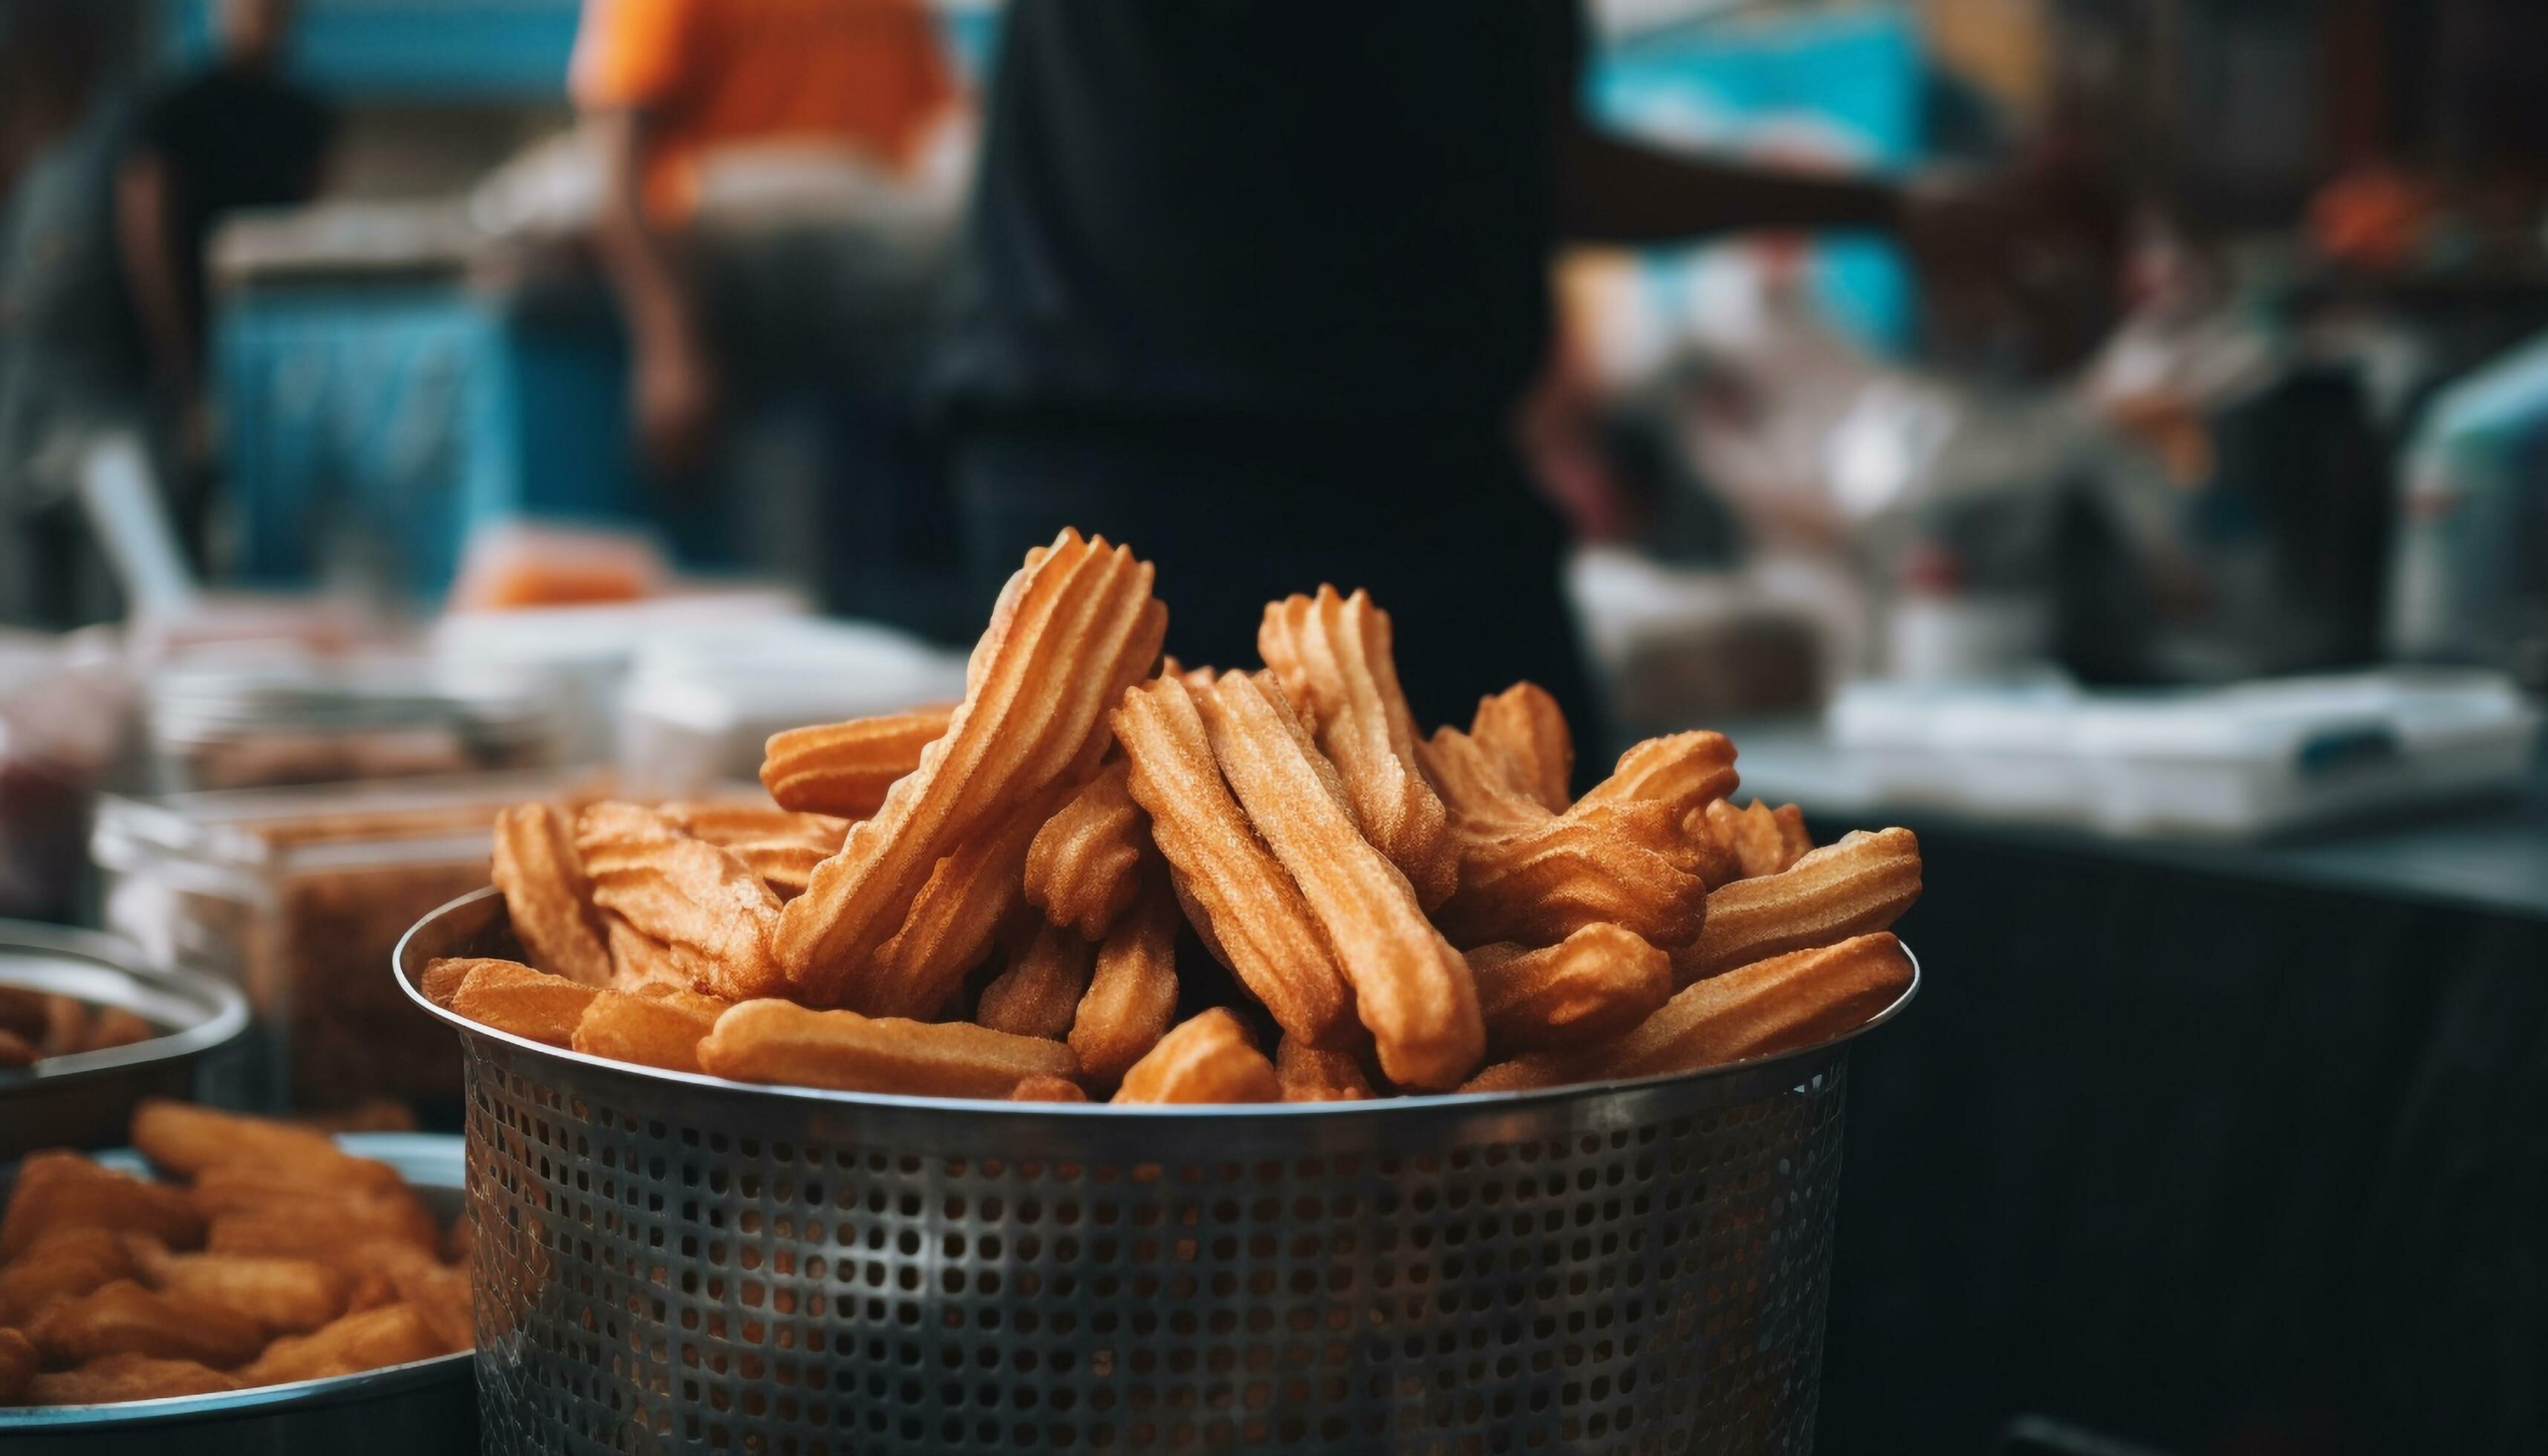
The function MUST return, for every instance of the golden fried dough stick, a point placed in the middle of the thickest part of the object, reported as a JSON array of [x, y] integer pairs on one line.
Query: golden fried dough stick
[[18, 1365], [1524, 732], [280, 1296], [1308, 1074], [391, 1335], [638, 959], [62, 1190], [1861, 884], [63, 1264], [783, 1042], [119, 1378], [686, 893], [1239, 898], [1411, 990], [437, 1292], [1209, 1058], [188, 1139], [443, 977], [1756, 840], [1334, 657], [1037, 995], [955, 919], [510, 997], [1757, 1009], [1047, 1089], [656, 1026], [120, 1317], [243, 1187], [1132, 995], [1484, 798], [1684, 771], [731, 822], [786, 865], [1085, 864], [548, 894], [1596, 984], [844, 770], [1074, 628]]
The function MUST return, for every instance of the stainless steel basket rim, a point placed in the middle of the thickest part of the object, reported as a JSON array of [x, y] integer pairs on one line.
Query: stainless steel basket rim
[[434, 1160], [228, 1018], [1374, 1108]]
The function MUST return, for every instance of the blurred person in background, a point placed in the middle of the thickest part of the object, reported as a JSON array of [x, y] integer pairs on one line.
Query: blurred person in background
[[772, 230], [1258, 291], [236, 135], [71, 358]]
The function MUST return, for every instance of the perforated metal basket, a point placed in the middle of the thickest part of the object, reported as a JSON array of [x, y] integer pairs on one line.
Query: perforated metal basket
[[671, 1262]]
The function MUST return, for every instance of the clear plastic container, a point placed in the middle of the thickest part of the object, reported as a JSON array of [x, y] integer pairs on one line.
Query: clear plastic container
[[297, 896]]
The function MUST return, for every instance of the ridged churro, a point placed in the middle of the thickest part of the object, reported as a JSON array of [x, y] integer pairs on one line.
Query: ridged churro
[[279, 1296], [638, 959], [1208, 1059], [1308, 1074], [781, 1042], [1075, 627], [656, 1026], [62, 1190], [547, 894], [1085, 865], [511, 997], [731, 822], [1598, 984], [1038, 995], [845, 769], [1524, 732], [1597, 864], [1683, 771], [1131, 996], [65, 1263], [1753, 841], [1411, 990], [1047, 1089], [954, 920], [1757, 1009], [685, 893], [1861, 884], [191, 1140], [1240, 899], [1334, 657]]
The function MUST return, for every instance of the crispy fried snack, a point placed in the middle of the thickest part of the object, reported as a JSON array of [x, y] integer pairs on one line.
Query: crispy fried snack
[[1239, 898], [437, 1292], [1683, 771], [62, 1190], [66, 1263], [511, 997], [120, 1317], [118, 1378], [1085, 865], [1757, 1009], [1524, 733], [1308, 1074], [955, 918], [18, 1365], [685, 893], [1334, 657], [1754, 842], [1533, 877], [442, 978], [548, 894], [638, 959], [190, 1139], [731, 822], [1132, 995], [1861, 884], [280, 1296], [1037, 995], [254, 1188], [1047, 1089], [781, 1042], [655, 1025], [1209, 1058], [845, 769], [1596, 984], [1074, 628], [1411, 990], [786, 865], [391, 1335]]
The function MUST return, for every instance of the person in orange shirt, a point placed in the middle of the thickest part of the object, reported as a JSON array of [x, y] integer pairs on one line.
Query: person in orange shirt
[[760, 158]]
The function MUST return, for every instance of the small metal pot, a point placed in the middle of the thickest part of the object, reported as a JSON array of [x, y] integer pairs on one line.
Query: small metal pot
[[86, 1100]]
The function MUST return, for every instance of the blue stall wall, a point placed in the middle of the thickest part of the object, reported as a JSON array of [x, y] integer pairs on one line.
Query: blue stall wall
[[492, 51]]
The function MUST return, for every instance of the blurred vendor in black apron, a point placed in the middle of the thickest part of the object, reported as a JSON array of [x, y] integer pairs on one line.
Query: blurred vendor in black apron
[[1255, 285]]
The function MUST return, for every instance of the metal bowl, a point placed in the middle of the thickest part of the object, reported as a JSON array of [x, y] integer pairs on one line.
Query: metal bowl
[[426, 1406], [675, 1262], [86, 1100]]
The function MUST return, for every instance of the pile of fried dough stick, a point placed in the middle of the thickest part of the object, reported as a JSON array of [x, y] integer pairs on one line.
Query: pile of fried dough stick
[[1101, 874]]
